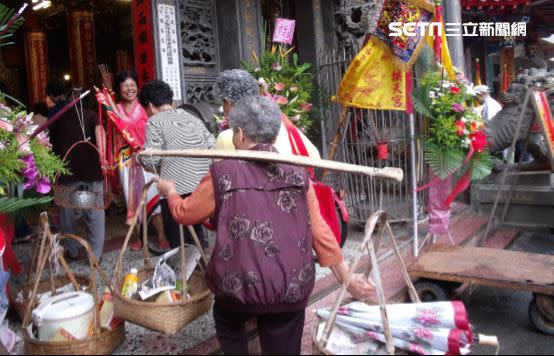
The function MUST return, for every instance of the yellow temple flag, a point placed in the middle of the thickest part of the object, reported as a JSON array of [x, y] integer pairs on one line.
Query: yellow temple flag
[[445, 54], [372, 81]]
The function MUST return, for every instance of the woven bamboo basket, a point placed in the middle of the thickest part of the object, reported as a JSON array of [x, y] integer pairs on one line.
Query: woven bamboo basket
[[72, 198], [166, 318], [101, 342], [45, 284], [104, 343]]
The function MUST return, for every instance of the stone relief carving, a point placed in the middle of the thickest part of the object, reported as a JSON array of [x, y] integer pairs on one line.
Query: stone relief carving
[[197, 92], [355, 18], [198, 32]]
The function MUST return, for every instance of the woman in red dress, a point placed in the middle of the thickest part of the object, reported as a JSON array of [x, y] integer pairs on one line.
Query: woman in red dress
[[132, 175]]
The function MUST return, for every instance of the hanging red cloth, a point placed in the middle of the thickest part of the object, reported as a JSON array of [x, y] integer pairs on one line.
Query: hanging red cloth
[[325, 194], [7, 232], [437, 34]]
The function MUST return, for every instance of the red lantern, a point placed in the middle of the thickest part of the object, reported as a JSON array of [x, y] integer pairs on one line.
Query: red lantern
[[383, 151]]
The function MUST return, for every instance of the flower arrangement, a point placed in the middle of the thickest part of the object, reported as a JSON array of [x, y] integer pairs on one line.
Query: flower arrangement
[[456, 138], [287, 82], [24, 161]]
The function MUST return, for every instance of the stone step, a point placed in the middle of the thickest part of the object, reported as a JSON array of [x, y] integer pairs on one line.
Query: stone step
[[539, 178], [522, 195]]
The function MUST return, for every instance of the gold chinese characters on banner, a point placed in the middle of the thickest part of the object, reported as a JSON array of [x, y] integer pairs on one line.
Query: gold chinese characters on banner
[[373, 81]]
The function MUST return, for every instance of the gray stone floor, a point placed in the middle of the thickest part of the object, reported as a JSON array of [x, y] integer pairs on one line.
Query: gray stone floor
[[143, 341], [139, 340]]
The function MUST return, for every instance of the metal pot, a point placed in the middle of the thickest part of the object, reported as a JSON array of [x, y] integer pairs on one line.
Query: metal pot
[[83, 199]]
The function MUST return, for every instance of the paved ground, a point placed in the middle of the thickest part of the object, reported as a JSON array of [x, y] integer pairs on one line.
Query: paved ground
[[497, 312]]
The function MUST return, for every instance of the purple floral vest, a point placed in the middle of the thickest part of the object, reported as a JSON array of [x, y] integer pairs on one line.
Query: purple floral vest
[[262, 261]]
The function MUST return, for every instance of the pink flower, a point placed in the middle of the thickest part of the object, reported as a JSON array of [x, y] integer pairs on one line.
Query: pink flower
[[417, 349], [427, 317], [280, 86], [455, 90], [43, 139], [43, 186], [224, 124], [307, 107], [458, 107], [22, 122], [373, 335], [343, 311], [6, 126], [281, 100], [424, 334], [24, 144], [32, 179]]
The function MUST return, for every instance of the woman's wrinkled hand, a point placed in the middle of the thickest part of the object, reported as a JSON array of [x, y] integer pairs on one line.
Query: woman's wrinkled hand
[[361, 288], [165, 187]]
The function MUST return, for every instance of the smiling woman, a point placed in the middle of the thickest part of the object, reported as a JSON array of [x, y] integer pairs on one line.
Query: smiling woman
[[132, 176]]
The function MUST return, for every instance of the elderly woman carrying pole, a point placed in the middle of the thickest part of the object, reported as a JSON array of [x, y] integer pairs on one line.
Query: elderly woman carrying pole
[[268, 223]]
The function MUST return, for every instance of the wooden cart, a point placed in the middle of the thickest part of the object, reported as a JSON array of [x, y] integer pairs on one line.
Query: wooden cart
[[441, 269]]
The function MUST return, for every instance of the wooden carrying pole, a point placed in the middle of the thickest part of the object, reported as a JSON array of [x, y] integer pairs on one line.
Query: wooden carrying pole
[[396, 174]]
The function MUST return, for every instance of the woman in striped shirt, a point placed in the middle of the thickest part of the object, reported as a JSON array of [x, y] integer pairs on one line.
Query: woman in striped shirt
[[174, 129]]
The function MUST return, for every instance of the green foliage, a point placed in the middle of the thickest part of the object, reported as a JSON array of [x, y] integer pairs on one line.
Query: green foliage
[[443, 133], [6, 14], [455, 130], [443, 161], [422, 102], [481, 166], [12, 205], [281, 68], [10, 164], [48, 164], [16, 128]]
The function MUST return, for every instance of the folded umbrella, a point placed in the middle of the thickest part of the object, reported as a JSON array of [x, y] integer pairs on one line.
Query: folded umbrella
[[425, 328]]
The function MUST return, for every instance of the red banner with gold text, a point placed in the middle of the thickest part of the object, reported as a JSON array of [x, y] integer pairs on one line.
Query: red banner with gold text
[[143, 40]]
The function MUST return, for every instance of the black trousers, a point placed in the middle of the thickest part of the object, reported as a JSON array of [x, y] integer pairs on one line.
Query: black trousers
[[280, 333], [171, 228]]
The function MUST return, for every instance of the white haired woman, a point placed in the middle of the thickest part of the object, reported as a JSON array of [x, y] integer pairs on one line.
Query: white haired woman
[[268, 222], [235, 84]]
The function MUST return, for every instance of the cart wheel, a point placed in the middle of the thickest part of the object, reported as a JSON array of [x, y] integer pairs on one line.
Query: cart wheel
[[430, 291], [449, 287], [540, 320]]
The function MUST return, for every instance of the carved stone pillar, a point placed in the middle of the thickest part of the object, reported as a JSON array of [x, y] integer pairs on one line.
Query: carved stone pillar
[[249, 15], [82, 49], [199, 48], [239, 32], [36, 57]]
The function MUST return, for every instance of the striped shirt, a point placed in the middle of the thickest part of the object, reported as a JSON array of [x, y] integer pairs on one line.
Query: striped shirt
[[177, 129]]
